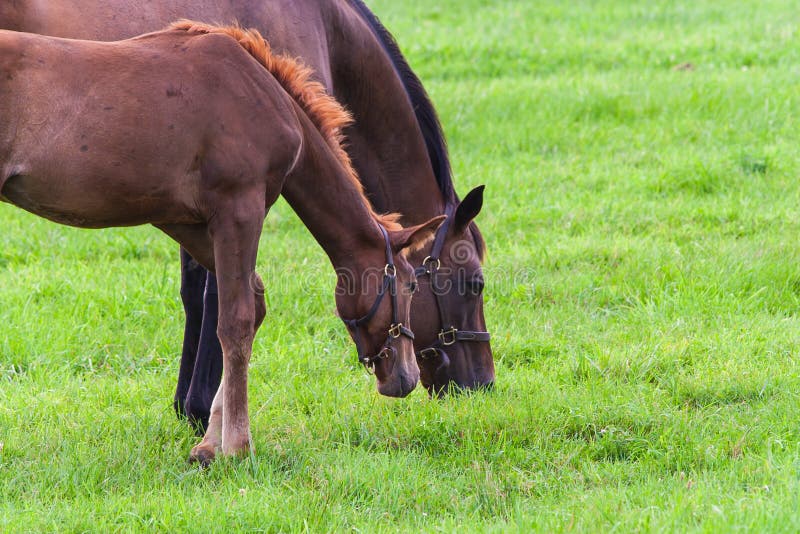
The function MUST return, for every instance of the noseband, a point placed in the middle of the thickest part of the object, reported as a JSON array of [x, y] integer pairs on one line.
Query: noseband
[[397, 329], [449, 334]]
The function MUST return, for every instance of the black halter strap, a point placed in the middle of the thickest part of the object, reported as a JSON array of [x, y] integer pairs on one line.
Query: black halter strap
[[396, 329], [448, 334]]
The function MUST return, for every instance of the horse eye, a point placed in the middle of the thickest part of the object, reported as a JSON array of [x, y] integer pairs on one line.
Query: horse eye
[[475, 286], [412, 286]]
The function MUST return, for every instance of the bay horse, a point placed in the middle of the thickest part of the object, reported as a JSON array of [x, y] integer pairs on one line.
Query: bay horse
[[196, 130], [396, 144]]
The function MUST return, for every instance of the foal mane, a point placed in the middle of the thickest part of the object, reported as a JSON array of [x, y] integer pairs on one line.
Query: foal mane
[[324, 111]]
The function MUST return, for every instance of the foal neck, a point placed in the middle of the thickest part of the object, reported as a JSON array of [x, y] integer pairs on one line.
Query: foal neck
[[332, 205]]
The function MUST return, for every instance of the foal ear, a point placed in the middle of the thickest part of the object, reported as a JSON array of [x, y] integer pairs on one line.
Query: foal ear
[[469, 208], [414, 237]]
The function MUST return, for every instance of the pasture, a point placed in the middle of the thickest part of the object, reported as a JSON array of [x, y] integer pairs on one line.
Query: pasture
[[643, 286]]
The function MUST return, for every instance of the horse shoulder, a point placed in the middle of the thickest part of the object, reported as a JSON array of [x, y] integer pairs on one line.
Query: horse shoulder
[[258, 132]]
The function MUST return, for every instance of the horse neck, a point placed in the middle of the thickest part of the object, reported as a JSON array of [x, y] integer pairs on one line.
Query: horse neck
[[330, 204], [386, 141]]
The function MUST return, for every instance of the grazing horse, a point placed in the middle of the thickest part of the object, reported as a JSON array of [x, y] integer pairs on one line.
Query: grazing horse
[[396, 144], [197, 130]]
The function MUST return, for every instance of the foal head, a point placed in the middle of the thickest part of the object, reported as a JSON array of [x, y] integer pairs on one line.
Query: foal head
[[374, 300]]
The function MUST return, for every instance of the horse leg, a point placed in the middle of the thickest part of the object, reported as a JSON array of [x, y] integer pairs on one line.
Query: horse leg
[[207, 369], [204, 452], [213, 437], [193, 281], [196, 242], [235, 236]]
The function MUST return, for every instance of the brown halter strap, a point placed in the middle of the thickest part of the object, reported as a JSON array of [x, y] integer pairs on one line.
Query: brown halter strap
[[397, 329], [448, 334]]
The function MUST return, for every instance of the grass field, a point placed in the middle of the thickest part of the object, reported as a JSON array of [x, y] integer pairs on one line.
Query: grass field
[[643, 289]]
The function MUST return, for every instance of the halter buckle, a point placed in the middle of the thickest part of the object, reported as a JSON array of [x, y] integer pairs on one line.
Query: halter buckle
[[396, 330], [429, 262], [428, 354], [443, 336]]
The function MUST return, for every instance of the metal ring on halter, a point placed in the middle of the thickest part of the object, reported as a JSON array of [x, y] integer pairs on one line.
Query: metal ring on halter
[[369, 361], [390, 270], [369, 365], [428, 260]]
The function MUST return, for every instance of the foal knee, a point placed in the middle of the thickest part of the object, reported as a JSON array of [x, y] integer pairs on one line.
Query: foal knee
[[236, 336]]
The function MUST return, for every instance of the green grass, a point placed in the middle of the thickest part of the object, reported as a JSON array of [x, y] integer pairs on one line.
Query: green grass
[[643, 288]]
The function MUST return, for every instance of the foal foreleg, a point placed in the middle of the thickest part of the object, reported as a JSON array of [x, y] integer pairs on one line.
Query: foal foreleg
[[204, 452], [235, 235]]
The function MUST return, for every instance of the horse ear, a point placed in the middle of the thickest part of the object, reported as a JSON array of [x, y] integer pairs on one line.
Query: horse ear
[[415, 237], [469, 208]]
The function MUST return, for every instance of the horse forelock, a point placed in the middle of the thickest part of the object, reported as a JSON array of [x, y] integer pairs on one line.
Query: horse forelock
[[324, 111]]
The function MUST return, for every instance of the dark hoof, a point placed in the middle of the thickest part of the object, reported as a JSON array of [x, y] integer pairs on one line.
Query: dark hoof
[[201, 455]]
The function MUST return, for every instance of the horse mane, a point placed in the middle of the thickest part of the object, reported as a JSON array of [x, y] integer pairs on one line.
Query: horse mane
[[324, 111], [425, 113]]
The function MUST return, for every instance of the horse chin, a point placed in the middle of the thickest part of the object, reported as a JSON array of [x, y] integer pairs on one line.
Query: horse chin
[[457, 374], [398, 386], [399, 381], [441, 390]]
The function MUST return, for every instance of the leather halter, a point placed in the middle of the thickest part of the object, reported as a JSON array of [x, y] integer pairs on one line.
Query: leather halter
[[396, 329], [449, 334]]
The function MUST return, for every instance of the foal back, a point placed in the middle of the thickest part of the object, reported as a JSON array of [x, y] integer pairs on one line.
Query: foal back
[[138, 131]]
